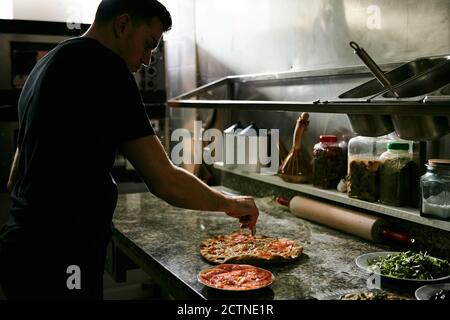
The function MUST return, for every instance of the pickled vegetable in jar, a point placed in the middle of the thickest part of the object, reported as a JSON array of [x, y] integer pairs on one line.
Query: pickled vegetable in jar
[[328, 163], [364, 179]]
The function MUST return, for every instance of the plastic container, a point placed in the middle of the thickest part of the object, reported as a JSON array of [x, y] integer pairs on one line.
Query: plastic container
[[328, 163], [435, 190], [398, 175], [363, 169], [382, 143]]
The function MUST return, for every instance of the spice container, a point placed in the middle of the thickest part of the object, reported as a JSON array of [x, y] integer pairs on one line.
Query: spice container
[[328, 163], [435, 189], [398, 175], [363, 169]]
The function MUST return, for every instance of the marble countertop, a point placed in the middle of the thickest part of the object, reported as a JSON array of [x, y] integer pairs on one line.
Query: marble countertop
[[166, 241]]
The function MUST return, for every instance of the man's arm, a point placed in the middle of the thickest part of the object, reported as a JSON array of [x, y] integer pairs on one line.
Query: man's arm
[[181, 188], [13, 173]]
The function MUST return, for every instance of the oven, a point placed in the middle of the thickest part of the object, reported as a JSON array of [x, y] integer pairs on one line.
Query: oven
[[18, 55], [22, 44]]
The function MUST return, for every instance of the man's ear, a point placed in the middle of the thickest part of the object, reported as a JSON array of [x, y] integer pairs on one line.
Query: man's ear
[[120, 24]]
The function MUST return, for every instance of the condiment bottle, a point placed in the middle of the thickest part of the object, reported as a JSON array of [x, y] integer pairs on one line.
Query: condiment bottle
[[398, 181], [328, 163], [230, 145], [435, 189]]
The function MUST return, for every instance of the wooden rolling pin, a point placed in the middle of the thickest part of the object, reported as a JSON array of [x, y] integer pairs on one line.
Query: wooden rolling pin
[[356, 223]]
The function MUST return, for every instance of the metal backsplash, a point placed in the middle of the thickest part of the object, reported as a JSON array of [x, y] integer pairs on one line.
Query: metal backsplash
[[212, 39]]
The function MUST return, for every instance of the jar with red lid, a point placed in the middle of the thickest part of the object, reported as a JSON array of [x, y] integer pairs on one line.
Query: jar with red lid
[[329, 163]]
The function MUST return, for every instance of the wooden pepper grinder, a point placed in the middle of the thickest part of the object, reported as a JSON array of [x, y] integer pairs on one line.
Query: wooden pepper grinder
[[294, 167]]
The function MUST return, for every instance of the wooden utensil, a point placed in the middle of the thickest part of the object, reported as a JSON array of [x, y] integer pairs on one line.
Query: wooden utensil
[[294, 167], [357, 223], [283, 153]]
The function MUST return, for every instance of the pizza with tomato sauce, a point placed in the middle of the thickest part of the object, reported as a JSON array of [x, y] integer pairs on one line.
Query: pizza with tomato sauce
[[236, 277], [240, 248]]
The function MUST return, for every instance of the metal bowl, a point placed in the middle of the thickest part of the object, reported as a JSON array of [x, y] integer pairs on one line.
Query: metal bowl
[[427, 83], [396, 76], [378, 125], [371, 125], [446, 90], [420, 127], [423, 127]]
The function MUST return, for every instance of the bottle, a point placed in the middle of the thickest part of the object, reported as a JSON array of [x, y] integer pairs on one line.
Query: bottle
[[435, 190], [397, 175], [230, 145], [328, 163], [363, 169], [247, 149]]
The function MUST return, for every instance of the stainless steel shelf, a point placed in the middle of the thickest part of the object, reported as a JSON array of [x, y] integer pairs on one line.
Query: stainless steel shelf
[[410, 214], [402, 108], [321, 101]]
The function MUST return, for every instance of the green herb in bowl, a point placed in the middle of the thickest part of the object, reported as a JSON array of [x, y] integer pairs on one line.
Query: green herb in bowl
[[410, 265]]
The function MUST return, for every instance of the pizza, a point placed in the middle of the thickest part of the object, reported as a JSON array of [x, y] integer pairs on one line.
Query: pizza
[[236, 277], [372, 296], [240, 248]]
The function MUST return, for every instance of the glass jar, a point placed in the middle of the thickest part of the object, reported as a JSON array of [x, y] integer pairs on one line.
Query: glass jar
[[363, 169], [328, 163], [435, 189], [398, 175]]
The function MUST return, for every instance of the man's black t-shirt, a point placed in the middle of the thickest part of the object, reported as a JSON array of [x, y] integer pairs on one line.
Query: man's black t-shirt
[[78, 105]]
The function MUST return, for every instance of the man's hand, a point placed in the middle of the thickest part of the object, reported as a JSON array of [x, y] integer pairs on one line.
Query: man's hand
[[244, 208]]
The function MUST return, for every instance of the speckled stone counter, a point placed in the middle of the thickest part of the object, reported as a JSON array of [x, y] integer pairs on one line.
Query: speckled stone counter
[[164, 241]]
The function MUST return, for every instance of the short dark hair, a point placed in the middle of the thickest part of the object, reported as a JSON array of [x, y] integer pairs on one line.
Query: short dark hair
[[143, 10]]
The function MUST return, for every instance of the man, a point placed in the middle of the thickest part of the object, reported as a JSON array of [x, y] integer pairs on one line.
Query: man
[[79, 105]]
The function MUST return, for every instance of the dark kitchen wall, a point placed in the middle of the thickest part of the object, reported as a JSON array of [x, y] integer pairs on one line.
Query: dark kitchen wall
[[258, 36]]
